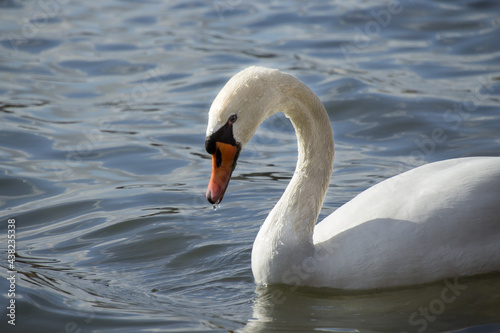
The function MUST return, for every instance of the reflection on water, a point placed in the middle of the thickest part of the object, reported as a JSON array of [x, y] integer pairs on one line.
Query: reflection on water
[[103, 110], [441, 306]]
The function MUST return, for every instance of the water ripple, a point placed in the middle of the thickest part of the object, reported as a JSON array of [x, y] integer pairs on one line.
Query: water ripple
[[103, 111]]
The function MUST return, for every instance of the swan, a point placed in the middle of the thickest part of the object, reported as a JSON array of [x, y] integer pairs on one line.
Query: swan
[[440, 220]]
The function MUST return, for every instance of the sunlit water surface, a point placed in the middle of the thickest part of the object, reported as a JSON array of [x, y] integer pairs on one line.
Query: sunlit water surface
[[103, 113]]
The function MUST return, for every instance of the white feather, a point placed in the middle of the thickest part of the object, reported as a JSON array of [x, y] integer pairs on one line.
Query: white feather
[[436, 221]]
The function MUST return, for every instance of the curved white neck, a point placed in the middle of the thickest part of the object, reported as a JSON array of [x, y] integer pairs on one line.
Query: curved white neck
[[290, 225]]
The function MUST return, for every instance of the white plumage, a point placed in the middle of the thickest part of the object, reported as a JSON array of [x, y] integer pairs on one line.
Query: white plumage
[[436, 221]]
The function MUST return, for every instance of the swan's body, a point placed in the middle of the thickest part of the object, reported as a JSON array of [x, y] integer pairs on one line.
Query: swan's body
[[436, 221]]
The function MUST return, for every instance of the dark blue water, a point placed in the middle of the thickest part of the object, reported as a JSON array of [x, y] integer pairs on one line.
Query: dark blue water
[[103, 110]]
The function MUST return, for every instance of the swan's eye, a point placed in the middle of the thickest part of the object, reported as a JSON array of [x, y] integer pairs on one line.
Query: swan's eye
[[232, 118]]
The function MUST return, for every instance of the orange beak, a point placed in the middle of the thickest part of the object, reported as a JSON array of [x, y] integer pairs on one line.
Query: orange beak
[[223, 164]]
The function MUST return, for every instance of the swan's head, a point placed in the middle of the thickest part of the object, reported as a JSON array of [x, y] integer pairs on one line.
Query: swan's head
[[240, 107]]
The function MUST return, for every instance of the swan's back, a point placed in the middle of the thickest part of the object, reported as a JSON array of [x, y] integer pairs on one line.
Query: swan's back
[[436, 221]]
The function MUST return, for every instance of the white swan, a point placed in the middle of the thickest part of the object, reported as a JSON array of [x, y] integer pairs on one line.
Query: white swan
[[437, 221]]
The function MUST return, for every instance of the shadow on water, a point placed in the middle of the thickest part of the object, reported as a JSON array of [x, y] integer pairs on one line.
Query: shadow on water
[[450, 304]]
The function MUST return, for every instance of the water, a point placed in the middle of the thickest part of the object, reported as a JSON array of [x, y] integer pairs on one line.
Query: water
[[103, 113]]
